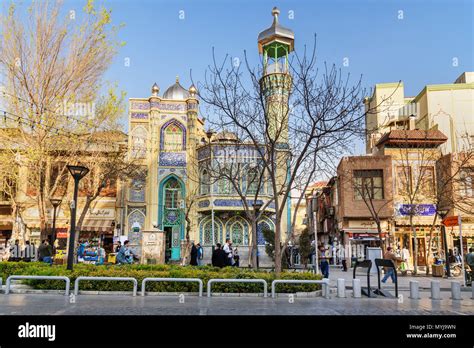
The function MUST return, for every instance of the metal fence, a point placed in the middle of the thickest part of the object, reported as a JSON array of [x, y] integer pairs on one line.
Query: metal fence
[[212, 281], [18, 277], [78, 279], [197, 280], [324, 282]]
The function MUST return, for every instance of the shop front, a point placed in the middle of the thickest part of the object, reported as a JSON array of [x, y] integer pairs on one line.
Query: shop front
[[362, 234], [98, 233]]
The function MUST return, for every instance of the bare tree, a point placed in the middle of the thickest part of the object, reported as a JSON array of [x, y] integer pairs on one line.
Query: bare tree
[[321, 113], [50, 67]]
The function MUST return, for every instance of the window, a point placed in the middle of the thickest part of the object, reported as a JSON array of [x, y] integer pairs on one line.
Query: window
[[172, 194], [139, 140], [253, 177], [368, 184], [403, 180], [466, 176], [427, 182], [207, 229], [173, 138], [204, 182], [237, 233]]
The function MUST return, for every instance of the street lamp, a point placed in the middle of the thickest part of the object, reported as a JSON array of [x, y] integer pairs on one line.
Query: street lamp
[[77, 172], [55, 202], [209, 135], [442, 213], [257, 205]]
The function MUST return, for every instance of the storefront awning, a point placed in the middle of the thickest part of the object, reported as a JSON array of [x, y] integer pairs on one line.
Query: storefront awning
[[97, 225]]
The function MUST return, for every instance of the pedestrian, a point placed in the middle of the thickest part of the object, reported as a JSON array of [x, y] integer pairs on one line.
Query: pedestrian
[[323, 261], [81, 250], [228, 251], [236, 257], [200, 254], [29, 253], [125, 255], [45, 252], [15, 251], [119, 245], [470, 258], [342, 255], [101, 255], [219, 257], [194, 255], [390, 271]]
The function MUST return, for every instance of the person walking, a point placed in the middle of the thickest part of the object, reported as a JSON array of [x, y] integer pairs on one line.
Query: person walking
[[323, 261], [219, 257], [45, 252], [389, 271], [200, 254], [194, 255], [236, 257]]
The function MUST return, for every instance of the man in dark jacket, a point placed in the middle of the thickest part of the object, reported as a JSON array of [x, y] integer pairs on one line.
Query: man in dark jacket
[[219, 257], [45, 252]]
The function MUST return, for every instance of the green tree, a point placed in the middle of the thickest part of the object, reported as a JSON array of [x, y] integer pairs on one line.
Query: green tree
[[305, 246]]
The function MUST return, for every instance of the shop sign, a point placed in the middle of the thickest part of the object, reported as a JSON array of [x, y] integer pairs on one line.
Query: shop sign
[[101, 213], [61, 235], [451, 221], [416, 209], [366, 224]]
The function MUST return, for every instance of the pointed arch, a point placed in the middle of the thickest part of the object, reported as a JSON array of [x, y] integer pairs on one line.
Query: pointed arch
[[205, 231], [173, 136], [237, 229]]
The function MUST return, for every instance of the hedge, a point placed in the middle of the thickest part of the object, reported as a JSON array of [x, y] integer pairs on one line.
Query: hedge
[[139, 272]]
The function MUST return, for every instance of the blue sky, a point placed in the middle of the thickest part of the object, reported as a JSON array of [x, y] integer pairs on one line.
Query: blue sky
[[418, 49]]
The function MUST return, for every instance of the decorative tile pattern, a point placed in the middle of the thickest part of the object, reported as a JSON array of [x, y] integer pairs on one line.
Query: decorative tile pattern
[[139, 115], [192, 106], [143, 105], [204, 204], [233, 202], [204, 152], [172, 159]]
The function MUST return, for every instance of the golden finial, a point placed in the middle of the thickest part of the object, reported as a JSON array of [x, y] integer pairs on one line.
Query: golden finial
[[192, 91], [275, 13], [177, 79], [155, 89]]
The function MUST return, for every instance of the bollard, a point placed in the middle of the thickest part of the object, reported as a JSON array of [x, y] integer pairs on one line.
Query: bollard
[[356, 288], [455, 291], [414, 290], [341, 288], [435, 290]]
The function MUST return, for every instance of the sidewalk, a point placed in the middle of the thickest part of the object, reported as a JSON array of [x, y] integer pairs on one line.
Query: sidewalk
[[424, 281]]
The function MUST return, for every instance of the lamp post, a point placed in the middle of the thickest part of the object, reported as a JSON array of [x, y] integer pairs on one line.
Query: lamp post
[[55, 202], [442, 213], [209, 135], [77, 172], [257, 205]]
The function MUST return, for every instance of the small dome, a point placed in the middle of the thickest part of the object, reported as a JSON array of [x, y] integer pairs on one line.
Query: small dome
[[155, 89], [192, 91], [226, 136], [176, 91]]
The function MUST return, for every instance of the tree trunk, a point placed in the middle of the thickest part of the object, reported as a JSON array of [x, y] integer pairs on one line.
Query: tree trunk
[[254, 245], [429, 259], [415, 246], [277, 246]]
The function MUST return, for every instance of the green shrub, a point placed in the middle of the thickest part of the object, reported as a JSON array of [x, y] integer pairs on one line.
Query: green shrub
[[139, 272]]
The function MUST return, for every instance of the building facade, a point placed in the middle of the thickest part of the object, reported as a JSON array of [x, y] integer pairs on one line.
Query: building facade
[[168, 138]]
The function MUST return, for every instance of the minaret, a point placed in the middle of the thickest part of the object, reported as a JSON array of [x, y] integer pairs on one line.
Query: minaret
[[275, 43]]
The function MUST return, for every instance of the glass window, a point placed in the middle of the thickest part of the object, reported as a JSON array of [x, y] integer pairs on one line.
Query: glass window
[[427, 182], [173, 138], [172, 194], [368, 183], [237, 232], [252, 180], [466, 176], [204, 182]]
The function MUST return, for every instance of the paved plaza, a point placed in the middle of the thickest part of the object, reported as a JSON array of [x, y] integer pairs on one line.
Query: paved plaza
[[55, 304]]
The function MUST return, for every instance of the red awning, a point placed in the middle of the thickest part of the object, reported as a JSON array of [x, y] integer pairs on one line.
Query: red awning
[[97, 225]]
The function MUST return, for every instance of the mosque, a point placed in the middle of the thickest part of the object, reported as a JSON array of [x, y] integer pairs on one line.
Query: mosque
[[169, 138]]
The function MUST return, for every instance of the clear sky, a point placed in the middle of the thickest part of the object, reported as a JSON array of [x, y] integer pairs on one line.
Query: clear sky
[[418, 45]]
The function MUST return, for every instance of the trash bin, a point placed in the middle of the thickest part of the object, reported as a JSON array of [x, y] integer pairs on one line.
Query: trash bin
[[437, 270]]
